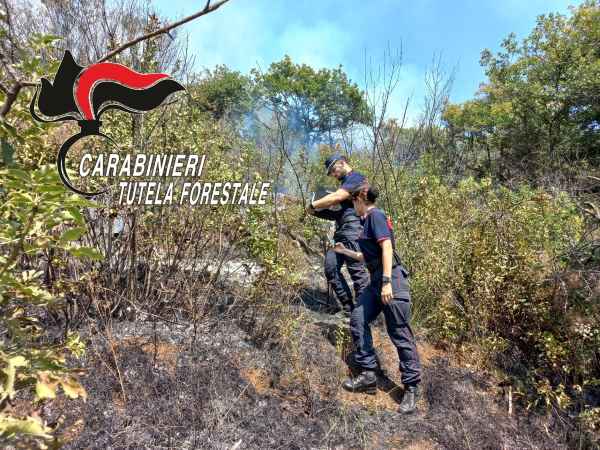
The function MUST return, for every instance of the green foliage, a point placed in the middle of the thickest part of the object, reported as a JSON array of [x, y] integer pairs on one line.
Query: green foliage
[[224, 92], [322, 101], [262, 238], [19, 130], [39, 219], [539, 111], [486, 262], [487, 267], [511, 290]]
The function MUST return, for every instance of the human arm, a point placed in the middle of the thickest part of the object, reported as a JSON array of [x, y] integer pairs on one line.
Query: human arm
[[341, 248], [331, 199], [386, 256], [381, 228], [327, 214]]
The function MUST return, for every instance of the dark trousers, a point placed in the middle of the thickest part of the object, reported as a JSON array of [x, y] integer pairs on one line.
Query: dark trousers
[[357, 270], [397, 321]]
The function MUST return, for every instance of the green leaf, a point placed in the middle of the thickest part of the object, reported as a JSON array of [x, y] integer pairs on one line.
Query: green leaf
[[19, 173], [74, 344], [49, 38], [75, 214], [11, 373], [7, 153], [73, 234], [87, 252], [23, 198], [17, 361], [9, 128], [77, 200], [52, 188]]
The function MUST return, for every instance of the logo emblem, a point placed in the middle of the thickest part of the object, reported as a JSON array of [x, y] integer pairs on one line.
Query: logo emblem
[[85, 93]]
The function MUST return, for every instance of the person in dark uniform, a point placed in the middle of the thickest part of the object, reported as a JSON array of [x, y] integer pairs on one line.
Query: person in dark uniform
[[389, 292], [347, 230]]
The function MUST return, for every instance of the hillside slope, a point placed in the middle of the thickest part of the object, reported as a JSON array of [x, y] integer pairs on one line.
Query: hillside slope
[[221, 385]]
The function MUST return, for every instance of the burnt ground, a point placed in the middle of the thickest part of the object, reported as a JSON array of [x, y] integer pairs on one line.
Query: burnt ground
[[166, 385]]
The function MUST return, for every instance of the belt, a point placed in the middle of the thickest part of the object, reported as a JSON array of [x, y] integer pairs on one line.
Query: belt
[[348, 218], [375, 266]]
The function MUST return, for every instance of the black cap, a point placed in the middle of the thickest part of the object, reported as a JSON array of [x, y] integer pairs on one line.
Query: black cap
[[329, 162]]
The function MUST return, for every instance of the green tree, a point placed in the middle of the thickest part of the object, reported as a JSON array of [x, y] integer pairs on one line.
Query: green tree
[[539, 111], [224, 92], [317, 102]]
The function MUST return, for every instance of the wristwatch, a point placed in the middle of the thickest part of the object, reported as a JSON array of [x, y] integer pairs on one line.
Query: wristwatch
[[385, 279]]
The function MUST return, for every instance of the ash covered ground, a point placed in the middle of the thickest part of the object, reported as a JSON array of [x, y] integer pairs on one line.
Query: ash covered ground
[[224, 384]]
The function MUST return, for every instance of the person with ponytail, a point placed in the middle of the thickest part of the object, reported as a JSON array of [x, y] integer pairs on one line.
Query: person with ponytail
[[389, 292]]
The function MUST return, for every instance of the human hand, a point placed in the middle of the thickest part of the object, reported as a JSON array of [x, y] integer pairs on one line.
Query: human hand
[[386, 293], [339, 247]]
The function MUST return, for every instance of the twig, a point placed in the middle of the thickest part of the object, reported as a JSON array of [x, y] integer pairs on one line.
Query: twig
[[593, 178], [284, 151], [12, 94], [111, 346], [208, 8], [233, 404]]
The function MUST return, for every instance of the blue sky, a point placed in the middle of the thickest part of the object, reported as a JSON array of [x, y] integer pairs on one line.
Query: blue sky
[[248, 33]]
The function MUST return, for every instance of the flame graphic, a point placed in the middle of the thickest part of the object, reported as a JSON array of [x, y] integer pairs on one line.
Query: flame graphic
[[95, 74], [80, 93]]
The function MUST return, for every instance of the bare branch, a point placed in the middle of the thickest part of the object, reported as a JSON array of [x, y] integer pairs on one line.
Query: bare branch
[[13, 92], [11, 96], [6, 63], [593, 178], [594, 210], [13, 89], [208, 8]]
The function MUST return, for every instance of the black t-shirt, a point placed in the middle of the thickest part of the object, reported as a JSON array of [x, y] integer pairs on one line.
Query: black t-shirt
[[348, 222]]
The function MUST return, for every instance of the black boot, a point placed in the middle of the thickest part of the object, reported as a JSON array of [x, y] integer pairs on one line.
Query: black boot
[[409, 400], [366, 382]]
